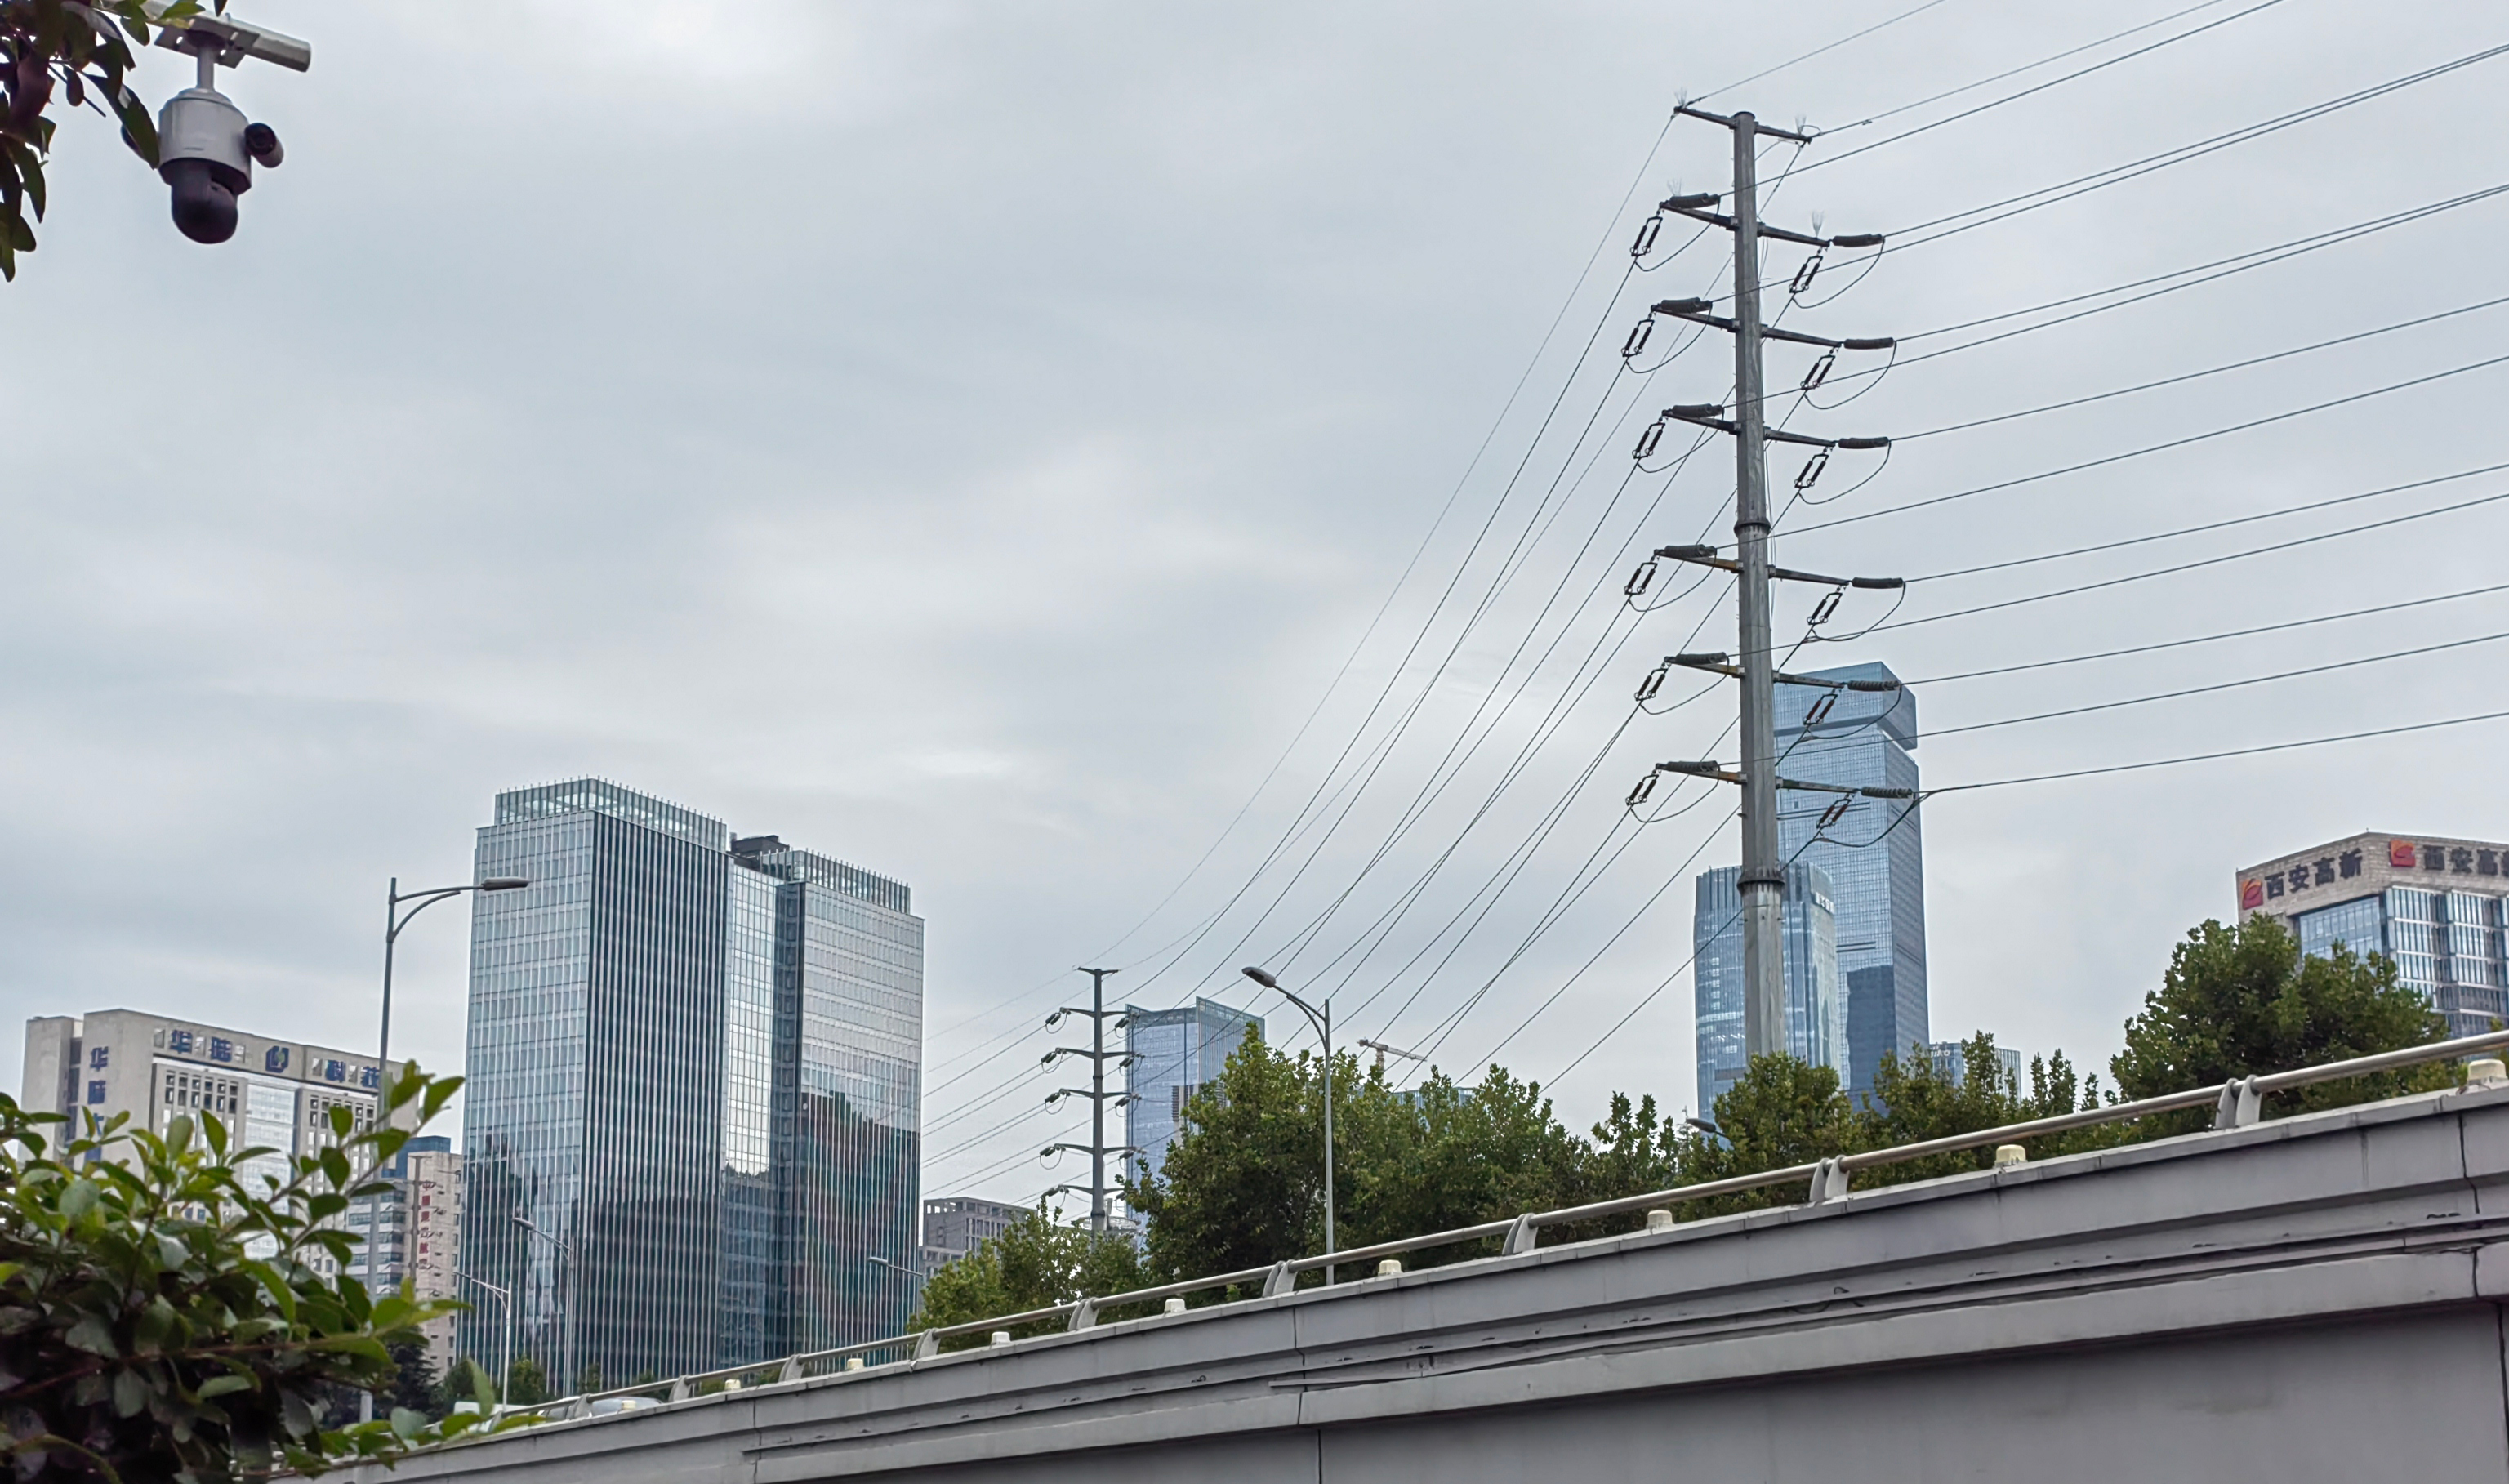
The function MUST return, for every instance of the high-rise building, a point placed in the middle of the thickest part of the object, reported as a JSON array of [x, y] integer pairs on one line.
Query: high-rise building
[[1873, 854], [1951, 1061], [693, 1123], [1816, 1011], [427, 1180], [1172, 1054], [275, 1095], [2433, 904], [954, 1226]]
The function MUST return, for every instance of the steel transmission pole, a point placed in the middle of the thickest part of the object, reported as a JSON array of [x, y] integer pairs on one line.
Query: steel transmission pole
[[1098, 1148], [1763, 878]]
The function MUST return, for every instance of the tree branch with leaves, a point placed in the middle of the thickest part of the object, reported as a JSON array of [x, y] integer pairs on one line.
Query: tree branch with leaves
[[162, 1314]]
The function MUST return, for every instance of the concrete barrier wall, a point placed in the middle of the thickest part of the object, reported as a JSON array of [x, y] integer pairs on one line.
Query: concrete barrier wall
[[2307, 1299]]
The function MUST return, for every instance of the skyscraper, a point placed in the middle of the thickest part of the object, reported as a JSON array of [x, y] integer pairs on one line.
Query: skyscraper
[[1874, 853], [2437, 905], [694, 1073], [1816, 1010], [1173, 1054]]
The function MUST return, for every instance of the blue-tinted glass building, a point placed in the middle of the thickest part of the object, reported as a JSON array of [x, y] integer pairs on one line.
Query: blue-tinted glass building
[[1874, 854], [1174, 1052], [2434, 905], [695, 1065], [1816, 1007]]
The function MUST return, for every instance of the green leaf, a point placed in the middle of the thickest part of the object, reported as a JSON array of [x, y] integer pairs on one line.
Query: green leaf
[[172, 1254], [178, 1132], [130, 1393], [439, 1092], [342, 1121], [406, 1423], [79, 1197], [92, 1335], [155, 1322], [220, 1385], [324, 1206]]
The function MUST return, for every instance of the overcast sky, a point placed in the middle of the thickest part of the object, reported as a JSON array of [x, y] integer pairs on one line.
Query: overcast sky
[[971, 439]]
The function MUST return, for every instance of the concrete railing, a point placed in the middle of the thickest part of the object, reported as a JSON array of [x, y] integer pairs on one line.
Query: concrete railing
[[2235, 1103]]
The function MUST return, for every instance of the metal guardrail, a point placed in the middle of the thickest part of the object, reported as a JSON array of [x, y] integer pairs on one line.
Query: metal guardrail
[[2235, 1103]]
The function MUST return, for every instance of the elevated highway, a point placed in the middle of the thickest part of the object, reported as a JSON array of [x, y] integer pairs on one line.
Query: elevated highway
[[2315, 1298]]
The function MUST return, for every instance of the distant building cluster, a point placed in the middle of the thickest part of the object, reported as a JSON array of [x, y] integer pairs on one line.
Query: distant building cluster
[[2434, 905], [1855, 896], [693, 1126]]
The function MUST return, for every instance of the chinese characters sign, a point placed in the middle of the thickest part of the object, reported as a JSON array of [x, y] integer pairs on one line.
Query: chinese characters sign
[[2423, 858]]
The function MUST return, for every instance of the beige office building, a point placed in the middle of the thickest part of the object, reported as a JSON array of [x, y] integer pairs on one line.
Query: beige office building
[[277, 1093]]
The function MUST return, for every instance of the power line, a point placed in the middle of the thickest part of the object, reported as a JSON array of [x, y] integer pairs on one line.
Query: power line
[[2176, 643], [2236, 751], [2162, 571], [1936, 733], [2189, 376], [2057, 56], [2080, 185], [1818, 51], [2214, 525], [2036, 88], [2155, 448]]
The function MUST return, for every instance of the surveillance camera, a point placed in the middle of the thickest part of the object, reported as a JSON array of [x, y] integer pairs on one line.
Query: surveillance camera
[[205, 151]]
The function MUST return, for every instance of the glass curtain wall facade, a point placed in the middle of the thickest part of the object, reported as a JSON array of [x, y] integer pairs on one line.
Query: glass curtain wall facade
[[2445, 943], [1816, 1029], [1874, 855], [1173, 1054], [643, 1021]]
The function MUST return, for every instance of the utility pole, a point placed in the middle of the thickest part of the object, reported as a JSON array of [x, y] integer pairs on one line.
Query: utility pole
[[1097, 1148], [1763, 876]]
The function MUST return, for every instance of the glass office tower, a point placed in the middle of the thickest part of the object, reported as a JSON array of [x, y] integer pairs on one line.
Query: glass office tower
[[693, 1071], [1874, 854], [1815, 1009], [1174, 1052], [2438, 906]]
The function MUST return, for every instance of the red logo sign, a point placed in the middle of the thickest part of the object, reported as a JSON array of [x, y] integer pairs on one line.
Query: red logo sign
[[2401, 854], [2251, 895]]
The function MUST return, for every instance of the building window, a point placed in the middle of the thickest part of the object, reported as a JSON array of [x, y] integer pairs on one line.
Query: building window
[[96, 1091]]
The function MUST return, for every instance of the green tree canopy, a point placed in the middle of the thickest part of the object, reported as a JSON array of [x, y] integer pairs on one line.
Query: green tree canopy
[[1037, 1263], [54, 53], [2242, 1001], [161, 1313]]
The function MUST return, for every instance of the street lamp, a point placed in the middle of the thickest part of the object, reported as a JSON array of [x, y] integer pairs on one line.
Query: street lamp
[[566, 1270], [1322, 1020], [394, 919], [504, 1296]]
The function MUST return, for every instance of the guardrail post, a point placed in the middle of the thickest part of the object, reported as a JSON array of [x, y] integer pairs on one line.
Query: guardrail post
[[927, 1344], [791, 1370], [1828, 1182], [1084, 1314], [2239, 1105], [679, 1389], [1522, 1236]]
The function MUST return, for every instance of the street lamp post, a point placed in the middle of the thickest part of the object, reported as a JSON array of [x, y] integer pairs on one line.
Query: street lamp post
[[1322, 1020], [566, 1274], [504, 1372], [394, 919]]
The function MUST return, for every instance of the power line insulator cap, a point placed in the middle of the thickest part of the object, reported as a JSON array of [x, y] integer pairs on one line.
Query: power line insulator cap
[[1863, 443], [1688, 411], [1685, 553], [1882, 344], [1691, 202], [1858, 239], [1685, 306]]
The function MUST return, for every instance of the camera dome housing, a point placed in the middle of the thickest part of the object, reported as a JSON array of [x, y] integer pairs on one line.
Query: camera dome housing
[[202, 157]]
